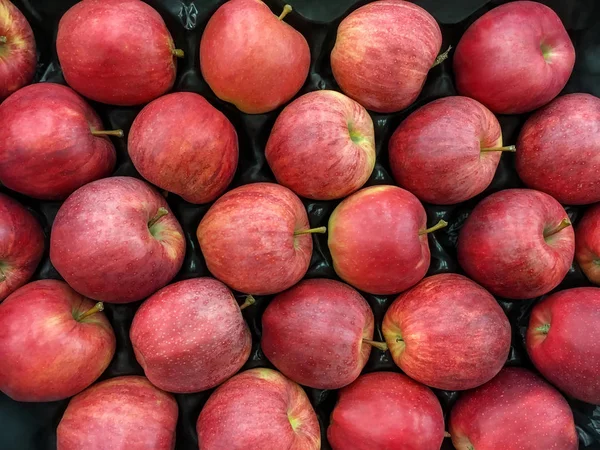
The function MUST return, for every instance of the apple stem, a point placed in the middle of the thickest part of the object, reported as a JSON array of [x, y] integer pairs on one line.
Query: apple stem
[[441, 57], [286, 10], [250, 300], [320, 230], [380, 345], [96, 308], [507, 148], [544, 328], [438, 226], [117, 133], [446, 434], [2, 39], [561, 226], [160, 213], [178, 53]]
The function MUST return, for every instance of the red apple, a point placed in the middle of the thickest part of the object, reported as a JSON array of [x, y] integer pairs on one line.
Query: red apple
[[123, 413], [256, 238], [378, 240], [252, 58], [447, 332], [386, 411], [258, 408], [21, 245], [587, 244], [559, 149], [190, 336], [447, 151], [516, 410], [517, 243], [383, 52], [52, 142], [180, 143], [319, 333], [53, 342], [562, 341], [322, 146], [116, 240], [515, 58], [17, 50], [116, 51]]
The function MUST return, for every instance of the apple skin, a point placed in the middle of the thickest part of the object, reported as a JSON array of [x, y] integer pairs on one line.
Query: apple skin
[[247, 239], [374, 240], [503, 247], [276, 415], [500, 59], [447, 332], [252, 59], [517, 409], [313, 333], [96, 63], [122, 413], [21, 245], [47, 149], [436, 154], [102, 246], [562, 341], [17, 54], [322, 146], [559, 150], [49, 354], [386, 411], [377, 62], [180, 143], [587, 244], [190, 336]]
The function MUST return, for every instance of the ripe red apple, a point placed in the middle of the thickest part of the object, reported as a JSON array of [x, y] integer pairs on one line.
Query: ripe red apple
[[562, 341], [116, 51], [190, 336], [322, 146], [21, 245], [319, 333], [116, 240], [515, 58], [52, 142], [256, 238], [517, 243], [258, 408], [383, 52], [517, 409], [386, 411], [447, 151], [17, 50], [53, 342], [378, 240], [180, 143], [120, 413], [587, 244], [447, 332], [252, 58], [559, 149]]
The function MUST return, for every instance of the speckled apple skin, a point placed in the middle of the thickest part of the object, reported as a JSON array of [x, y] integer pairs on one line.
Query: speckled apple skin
[[587, 244]]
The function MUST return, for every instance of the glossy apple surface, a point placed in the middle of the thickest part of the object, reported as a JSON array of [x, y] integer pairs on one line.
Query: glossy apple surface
[[587, 244]]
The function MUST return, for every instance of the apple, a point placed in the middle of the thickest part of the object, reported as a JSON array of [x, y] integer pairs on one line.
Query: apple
[[118, 52], [116, 240], [386, 411], [447, 151], [17, 50], [250, 57], [447, 332], [517, 243], [322, 146], [257, 239], [383, 52], [319, 333], [378, 240], [517, 409], [21, 245], [587, 244], [53, 342], [559, 149], [190, 336], [52, 142], [120, 413], [258, 408], [182, 144], [562, 341], [515, 58]]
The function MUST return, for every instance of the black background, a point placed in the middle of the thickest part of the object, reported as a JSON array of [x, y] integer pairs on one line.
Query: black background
[[33, 425]]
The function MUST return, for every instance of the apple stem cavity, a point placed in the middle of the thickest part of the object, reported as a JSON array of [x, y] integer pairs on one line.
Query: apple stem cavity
[[379, 345], [441, 57], [561, 226], [2, 276], [93, 310], [544, 329], [250, 300], [178, 53], [506, 148], [438, 226], [320, 230], [2, 39], [160, 213], [286, 10], [117, 133], [446, 434]]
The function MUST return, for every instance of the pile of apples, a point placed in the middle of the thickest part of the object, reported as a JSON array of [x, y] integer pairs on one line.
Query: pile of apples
[[115, 239]]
